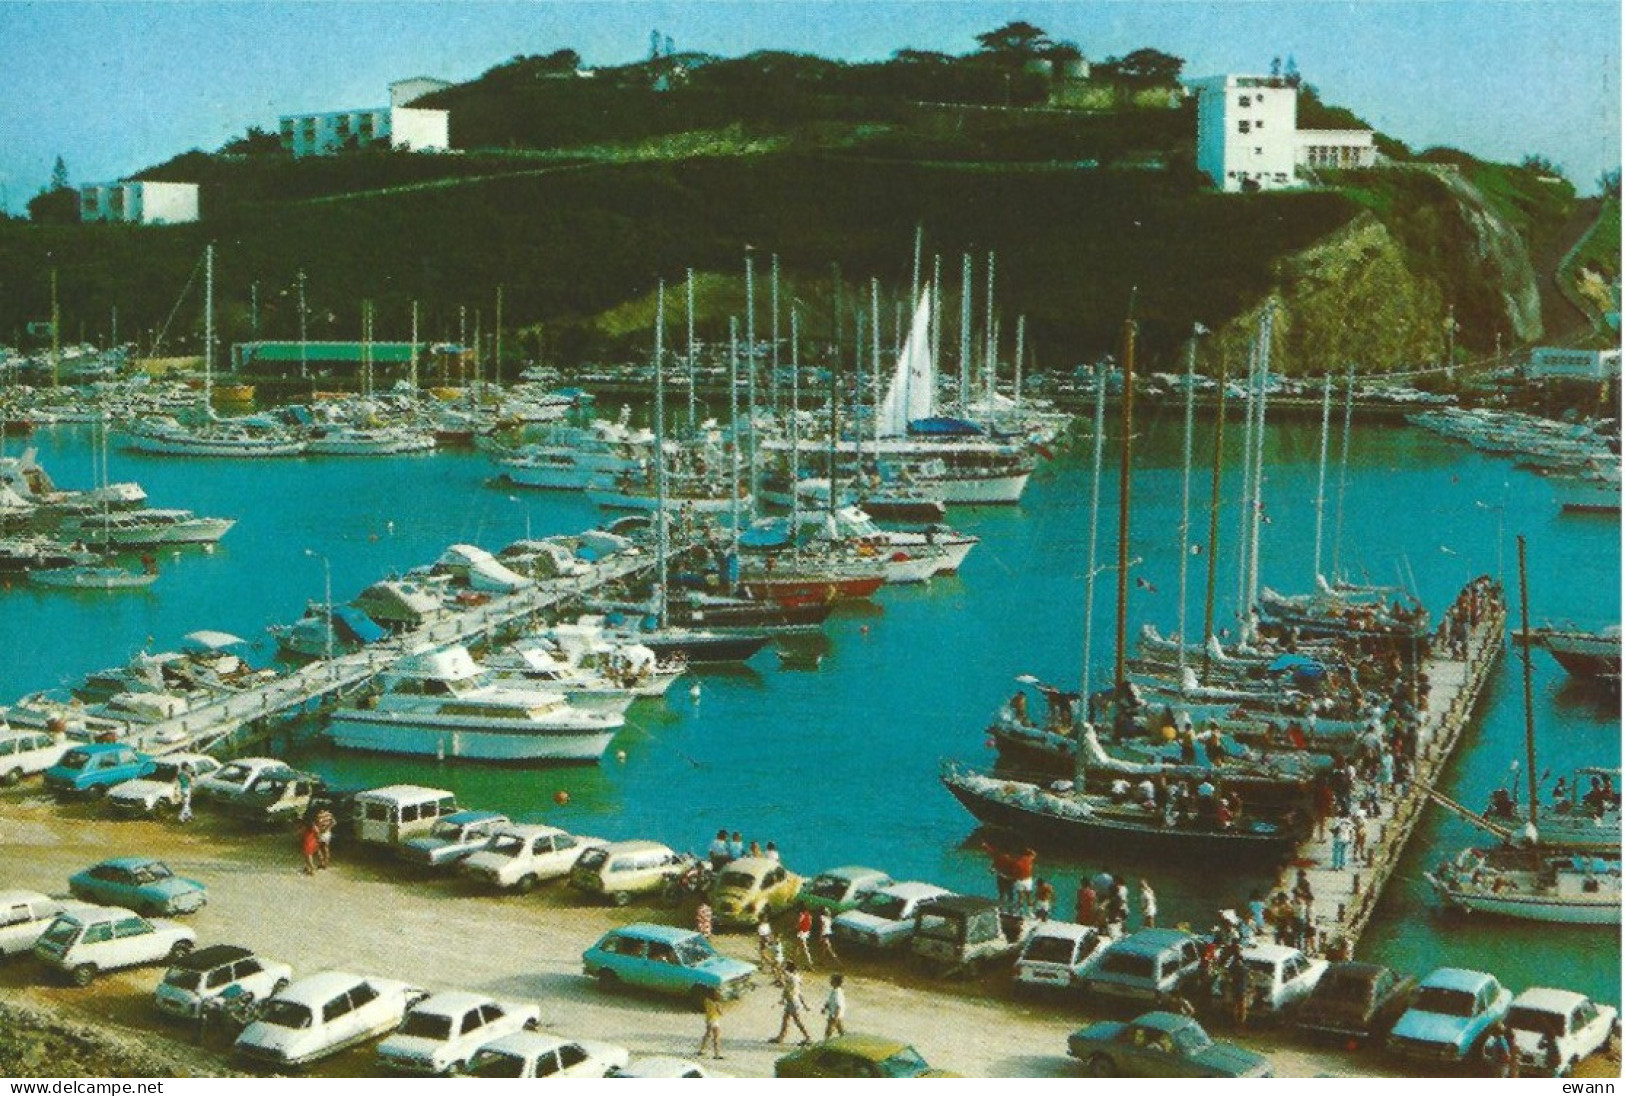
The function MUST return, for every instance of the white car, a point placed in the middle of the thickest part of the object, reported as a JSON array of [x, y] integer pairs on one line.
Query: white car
[[220, 970], [24, 915], [885, 918], [442, 1032], [1579, 1026], [235, 777], [663, 1068], [1058, 953], [1279, 977], [538, 1054], [88, 940], [519, 857], [24, 753], [322, 1014], [158, 793]]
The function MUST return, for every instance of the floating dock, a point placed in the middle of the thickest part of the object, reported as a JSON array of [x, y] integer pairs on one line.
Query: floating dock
[[1345, 900]]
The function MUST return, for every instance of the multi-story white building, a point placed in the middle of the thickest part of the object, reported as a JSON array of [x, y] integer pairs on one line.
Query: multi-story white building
[[398, 125], [1247, 135], [139, 203], [1567, 362]]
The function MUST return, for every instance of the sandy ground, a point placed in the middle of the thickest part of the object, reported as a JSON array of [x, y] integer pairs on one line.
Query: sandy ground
[[371, 915]]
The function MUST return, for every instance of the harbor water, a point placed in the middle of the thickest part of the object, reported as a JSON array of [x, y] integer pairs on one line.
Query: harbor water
[[836, 759]]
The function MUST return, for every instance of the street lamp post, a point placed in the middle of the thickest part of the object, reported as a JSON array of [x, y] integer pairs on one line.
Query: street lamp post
[[327, 594]]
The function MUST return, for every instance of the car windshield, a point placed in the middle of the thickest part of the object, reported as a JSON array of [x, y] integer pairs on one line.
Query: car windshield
[[889, 906], [427, 1025], [592, 858], [1536, 1020], [451, 831], [1049, 949], [694, 951], [183, 979], [507, 845], [232, 774], [63, 931], [286, 1014], [832, 887], [74, 759], [738, 880], [1356, 991], [165, 770], [1190, 1039], [494, 1063], [1446, 1002], [152, 873], [905, 1063]]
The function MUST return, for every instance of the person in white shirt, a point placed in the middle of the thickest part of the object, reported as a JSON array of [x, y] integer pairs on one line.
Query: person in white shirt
[[835, 1007]]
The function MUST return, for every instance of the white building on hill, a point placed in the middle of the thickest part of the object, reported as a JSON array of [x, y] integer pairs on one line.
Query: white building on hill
[[139, 203], [1568, 363], [1247, 135], [400, 125]]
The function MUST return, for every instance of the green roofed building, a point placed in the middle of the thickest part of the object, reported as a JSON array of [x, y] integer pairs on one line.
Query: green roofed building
[[268, 357]]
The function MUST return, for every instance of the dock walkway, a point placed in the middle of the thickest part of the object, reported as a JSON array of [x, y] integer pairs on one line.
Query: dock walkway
[[1345, 900], [290, 694]]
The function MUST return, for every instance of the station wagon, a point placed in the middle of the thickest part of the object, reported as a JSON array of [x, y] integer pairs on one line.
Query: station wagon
[[1553, 1030], [626, 869], [218, 971], [666, 959], [89, 940], [884, 920], [1057, 954], [24, 753], [1150, 965], [841, 889], [23, 916], [519, 857]]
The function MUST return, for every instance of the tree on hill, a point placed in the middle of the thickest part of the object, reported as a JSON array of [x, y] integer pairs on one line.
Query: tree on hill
[[1143, 68], [57, 204], [922, 57], [1608, 184], [1541, 165], [256, 142], [59, 175], [1018, 41]]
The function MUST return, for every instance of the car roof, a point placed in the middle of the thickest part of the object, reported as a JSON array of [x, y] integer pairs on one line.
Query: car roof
[[126, 862], [644, 930], [874, 1047], [1469, 981], [465, 817], [529, 830], [914, 890], [1150, 941], [451, 1003], [85, 914], [853, 872], [1274, 953], [961, 903], [1065, 930], [254, 762], [404, 791], [637, 846], [103, 747], [315, 989], [526, 1043], [1548, 1000], [1163, 1021], [210, 957], [13, 897]]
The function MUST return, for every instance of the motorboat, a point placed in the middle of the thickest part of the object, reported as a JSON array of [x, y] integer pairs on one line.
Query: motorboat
[[400, 604], [1531, 885], [1581, 653], [319, 634], [369, 441], [444, 704], [149, 528], [94, 577]]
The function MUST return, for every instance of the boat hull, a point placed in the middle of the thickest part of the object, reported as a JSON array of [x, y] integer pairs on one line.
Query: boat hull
[[384, 732], [1530, 907], [93, 578]]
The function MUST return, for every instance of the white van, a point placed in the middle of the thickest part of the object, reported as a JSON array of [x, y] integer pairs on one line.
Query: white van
[[621, 871], [24, 753], [1058, 953], [388, 816]]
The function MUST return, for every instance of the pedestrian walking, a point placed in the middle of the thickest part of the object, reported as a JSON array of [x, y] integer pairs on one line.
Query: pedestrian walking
[[1043, 899], [183, 785], [325, 824], [1342, 837], [826, 934], [703, 918], [804, 927], [1148, 905], [1086, 903], [835, 1007], [309, 843], [764, 944], [1022, 880], [1498, 1053], [795, 1005], [713, 1024]]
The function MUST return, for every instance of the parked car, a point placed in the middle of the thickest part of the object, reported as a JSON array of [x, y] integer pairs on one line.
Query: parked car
[[1161, 1044], [841, 889], [627, 869], [93, 769], [538, 1054], [1356, 1001], [519, 857], [217, 971], [884, 920], [1450, 1015], [159, 792], [322, 1014], [452, 838], [1280, 977], [389, 816], [962, 933], [89, 940], [667, 959], [282, 797], [24, 915], [1057, 954], [1149, 965], [232, 779], [24, 753], [442, 1032], [664, 1068], [752, 885], [1553, 1030], [139, 883], [856, 1056]]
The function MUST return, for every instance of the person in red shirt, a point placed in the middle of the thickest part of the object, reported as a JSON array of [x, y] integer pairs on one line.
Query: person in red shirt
[[804, 926], [1086, 902], [1021, 873]]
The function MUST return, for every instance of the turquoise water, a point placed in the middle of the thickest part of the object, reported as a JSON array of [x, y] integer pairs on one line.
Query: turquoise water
[[837, 764]]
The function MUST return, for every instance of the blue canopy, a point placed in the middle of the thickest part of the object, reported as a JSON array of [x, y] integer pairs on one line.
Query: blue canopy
[[1296, 662], [770, 533], [357, 625], [945, 428]]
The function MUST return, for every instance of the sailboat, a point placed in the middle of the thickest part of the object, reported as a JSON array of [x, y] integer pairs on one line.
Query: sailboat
[[1525, 877], [105, 575]]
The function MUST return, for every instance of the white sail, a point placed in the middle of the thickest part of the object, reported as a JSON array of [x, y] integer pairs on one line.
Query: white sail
[[913, 391]]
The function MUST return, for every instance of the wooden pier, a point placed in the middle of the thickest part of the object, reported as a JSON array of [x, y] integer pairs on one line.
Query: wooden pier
[[256, 709], [1345, 900]]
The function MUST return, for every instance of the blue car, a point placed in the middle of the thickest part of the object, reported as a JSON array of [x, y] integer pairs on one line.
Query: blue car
[[665, 959], [92, 769], [1450, 1015], [139, 883]]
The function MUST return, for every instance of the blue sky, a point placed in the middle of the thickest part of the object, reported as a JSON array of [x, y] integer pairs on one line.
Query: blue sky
[[114, 87]]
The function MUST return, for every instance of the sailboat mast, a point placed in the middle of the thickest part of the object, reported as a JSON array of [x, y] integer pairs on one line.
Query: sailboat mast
[[689, 352], [1021, 350], [834, 423], [56, 333], [414, 350], [874, 366], [750, 373], [773, 378], [1213, 515], [1094, 533], [964, 334], [795, 425], [914, 282], [304, 339], [733, 421], [1528, 680], [1265, 338], [936, 327], [1242, 540], [661, 518], [1185, 495], [1343, 476], [1125, 480], [208, 331], [1320, 490], [991, 354]]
